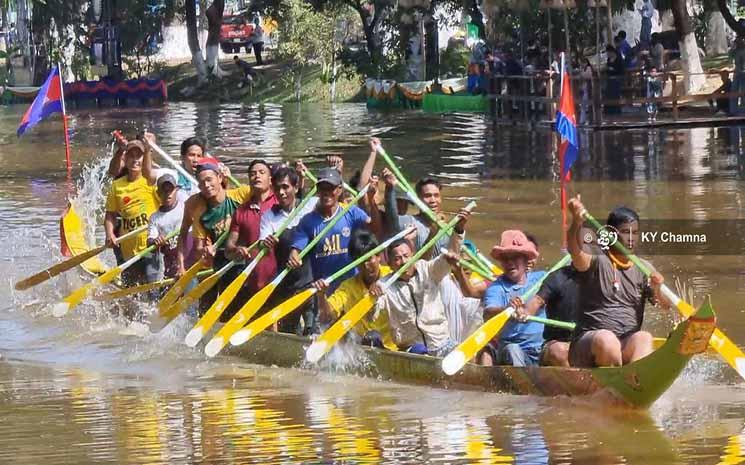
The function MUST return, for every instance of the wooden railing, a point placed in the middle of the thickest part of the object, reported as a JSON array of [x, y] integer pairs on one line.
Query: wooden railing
[[536, 96]]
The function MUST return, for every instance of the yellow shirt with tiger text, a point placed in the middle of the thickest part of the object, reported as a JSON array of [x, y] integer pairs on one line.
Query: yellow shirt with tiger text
[[134, 202]]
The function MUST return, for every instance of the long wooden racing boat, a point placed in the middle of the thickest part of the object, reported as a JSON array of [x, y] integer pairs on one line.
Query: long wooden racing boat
[[636, 385]]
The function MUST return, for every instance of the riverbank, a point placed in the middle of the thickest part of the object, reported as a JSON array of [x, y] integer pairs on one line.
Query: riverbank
[[274, 84]]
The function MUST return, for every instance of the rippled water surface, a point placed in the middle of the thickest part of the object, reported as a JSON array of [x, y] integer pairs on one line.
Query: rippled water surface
[[92, 389]]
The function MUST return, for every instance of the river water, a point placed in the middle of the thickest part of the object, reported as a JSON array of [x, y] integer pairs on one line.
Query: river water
[[91, 389]]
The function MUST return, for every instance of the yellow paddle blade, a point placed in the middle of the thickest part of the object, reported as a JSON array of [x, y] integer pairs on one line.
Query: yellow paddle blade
[[178, 288], [74, 299], [474, 343], [239, 319], [271, 317], [192, 297], [133, 290], [323, 344], [213, 313]]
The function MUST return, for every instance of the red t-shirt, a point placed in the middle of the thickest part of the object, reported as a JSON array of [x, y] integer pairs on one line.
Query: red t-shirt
[[246, 223]]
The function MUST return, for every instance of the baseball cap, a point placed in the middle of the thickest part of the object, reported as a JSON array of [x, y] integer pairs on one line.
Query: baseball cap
[[135, 144], [400, 194], [208, 163], [165, 176], [330, 176]]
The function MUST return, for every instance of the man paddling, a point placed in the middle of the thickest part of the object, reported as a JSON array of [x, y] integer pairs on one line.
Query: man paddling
[[332, 253], [413, 303], [285, 183], [518, 344], [244, 231], [374, 328], [559, 295], [131, 200], [167, 219], [210, 212], [613, 293]]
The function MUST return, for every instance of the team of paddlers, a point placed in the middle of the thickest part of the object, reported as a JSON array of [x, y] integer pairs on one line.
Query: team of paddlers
[[309, 226]]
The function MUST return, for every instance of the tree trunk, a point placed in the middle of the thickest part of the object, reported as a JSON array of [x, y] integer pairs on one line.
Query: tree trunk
[[298, 84], [688, 48], [729, 19], [192, 37], [214, 23], [716, 37], [432, 49]]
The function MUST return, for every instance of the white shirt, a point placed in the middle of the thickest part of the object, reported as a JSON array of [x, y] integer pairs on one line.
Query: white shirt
[[271, 220], [465, 314], [415, 309]]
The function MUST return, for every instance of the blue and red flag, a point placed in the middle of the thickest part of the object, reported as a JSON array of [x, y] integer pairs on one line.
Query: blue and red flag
[[566, 126], [47, 102]]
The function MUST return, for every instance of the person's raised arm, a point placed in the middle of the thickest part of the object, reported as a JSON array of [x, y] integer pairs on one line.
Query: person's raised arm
[[148, 172], [109, 224], [468, 287], [116, 165], [371, 206], [580, 259], [369, 166]]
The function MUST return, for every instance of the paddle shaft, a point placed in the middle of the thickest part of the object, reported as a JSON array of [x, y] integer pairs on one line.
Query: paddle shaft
[[476, 269], [146, 287], [68, 264], [411, 193]]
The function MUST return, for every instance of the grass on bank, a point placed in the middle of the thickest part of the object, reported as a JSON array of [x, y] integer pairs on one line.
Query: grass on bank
[[275, 84]]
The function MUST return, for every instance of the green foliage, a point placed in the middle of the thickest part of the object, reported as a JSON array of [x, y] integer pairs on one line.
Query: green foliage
[[454, 60]]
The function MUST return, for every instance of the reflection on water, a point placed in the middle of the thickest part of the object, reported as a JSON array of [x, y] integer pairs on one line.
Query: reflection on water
[[112, 398]]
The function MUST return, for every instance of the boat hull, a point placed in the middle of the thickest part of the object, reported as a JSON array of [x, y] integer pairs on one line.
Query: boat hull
[[636, 385]]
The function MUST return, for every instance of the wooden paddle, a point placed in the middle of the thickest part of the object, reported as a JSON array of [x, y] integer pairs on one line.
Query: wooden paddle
[[76, 297], [331, 336], [290, 305], [68, 264], [719, 341], [167, 301], [476, 341], [485, 268], [127, 291], [257, 301], [223, 301]]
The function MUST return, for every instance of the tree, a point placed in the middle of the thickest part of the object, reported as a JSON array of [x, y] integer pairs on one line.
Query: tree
[[304, 39], [731, 21], [689, 56], [192, 38], [214, 23]]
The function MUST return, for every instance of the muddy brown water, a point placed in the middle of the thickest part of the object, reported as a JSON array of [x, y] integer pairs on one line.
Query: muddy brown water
[[90, 389]]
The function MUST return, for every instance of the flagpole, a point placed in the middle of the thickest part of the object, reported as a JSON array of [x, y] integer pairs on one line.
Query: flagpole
[[64, 119], [562, 182]]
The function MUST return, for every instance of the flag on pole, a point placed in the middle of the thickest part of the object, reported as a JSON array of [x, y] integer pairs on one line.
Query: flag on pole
[[47, 101], [566, 126]]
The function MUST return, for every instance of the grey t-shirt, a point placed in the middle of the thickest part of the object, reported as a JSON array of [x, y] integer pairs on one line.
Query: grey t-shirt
[[619, 308]]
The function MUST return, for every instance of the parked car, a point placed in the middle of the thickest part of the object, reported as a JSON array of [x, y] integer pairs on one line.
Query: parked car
[[235, 33]]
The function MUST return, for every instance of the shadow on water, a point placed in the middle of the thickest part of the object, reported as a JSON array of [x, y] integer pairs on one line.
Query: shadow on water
[[123, 399]]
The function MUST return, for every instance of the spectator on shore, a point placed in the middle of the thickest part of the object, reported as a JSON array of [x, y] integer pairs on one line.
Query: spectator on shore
[[721, 103], [616, 71], [657, 52], [257, 40], [738, 85], [622, 45], [647, 12], [248, 72], [587, 73]]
